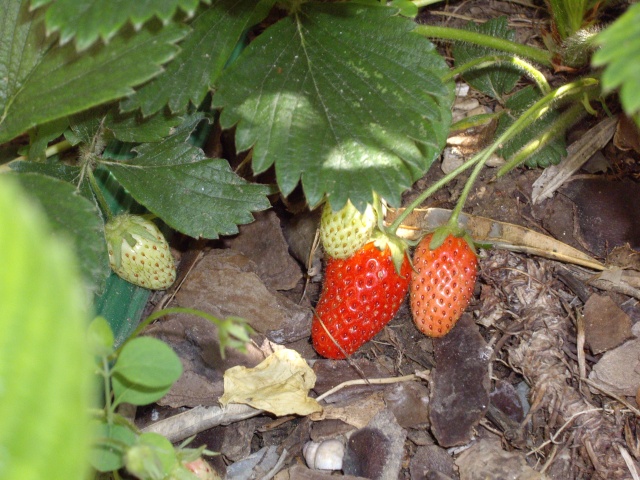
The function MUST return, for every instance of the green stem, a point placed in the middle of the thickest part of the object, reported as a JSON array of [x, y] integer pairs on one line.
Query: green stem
[[479, 160], [537, 55], [106, 375], [428, 192], [97, 191], [554, 130], [490, 60], [167, 311], [527, 118]]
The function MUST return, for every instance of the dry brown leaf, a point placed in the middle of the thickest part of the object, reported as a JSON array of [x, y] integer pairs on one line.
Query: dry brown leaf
[[280, 384]]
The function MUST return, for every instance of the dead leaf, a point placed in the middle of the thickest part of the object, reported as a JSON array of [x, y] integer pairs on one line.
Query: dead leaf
[[280, 384]]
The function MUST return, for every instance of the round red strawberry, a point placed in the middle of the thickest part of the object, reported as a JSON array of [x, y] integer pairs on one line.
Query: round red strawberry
[[442, 283], [360, 295]]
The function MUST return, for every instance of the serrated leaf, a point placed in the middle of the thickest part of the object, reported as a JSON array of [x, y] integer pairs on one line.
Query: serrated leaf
[[148, 362], [620, 54], [42, 347], [493, 81], [342, 97], [132, 127], [75, 218], [552, 153], [215, 34], [23, 44], [63, 82], [88, 20], [196, 195]]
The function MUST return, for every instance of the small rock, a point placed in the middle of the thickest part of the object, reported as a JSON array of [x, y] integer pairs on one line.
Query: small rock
[[376, 451], [486, 459], [606, 325], [460, 383], [409, 402], [429, 460], [618, 370], [451, 160]]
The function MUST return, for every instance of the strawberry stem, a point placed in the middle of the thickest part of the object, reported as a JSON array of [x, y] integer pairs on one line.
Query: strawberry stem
[[97, 191], [479, 160]]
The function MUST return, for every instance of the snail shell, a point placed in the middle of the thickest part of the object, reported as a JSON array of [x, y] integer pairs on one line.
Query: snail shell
[[325, 455]]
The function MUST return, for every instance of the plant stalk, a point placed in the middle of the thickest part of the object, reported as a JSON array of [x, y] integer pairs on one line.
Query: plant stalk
[[543, 57], [491, 60], [97, 191]]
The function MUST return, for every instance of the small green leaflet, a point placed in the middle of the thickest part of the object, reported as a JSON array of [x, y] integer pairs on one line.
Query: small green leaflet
[[196, 195], [342, 97], [215, 34], [87, 20], [620, 54], [62, 81], [496, 80]]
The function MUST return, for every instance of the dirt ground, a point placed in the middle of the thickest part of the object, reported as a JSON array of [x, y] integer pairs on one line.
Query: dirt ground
[[539, 379]]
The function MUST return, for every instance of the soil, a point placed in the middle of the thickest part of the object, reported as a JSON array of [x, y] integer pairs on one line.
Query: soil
[[539, 379]]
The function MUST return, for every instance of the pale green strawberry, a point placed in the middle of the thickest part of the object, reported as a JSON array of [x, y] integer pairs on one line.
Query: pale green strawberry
[[344, 232], [139, 253]]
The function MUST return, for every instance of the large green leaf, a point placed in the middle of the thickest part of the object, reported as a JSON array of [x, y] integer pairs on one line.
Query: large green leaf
[[88, 20], [496, 80], [62, 81], [216, 32], [340, 96], [75, 218], [196, 195], [45, 369], [620, 53]]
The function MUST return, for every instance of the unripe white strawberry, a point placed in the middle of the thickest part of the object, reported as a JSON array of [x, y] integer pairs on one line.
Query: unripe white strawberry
[[344, 232], [139, 253]]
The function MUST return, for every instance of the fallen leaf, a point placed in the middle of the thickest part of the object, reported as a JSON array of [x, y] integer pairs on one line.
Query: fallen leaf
[[280, 384]]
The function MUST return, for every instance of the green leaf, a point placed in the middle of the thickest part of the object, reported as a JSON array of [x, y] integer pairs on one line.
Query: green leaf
[[61, 171], [152, 457], [43, 354], [132, 127], [40, 137], [73, 217], [100, 337], [204, 52], [88, 20], [24, 42], [148, 362], [62, 81], [342, 97], [125, 391], [109, 447], [496, 80], [515, 107], [620, 54], [198, 196]]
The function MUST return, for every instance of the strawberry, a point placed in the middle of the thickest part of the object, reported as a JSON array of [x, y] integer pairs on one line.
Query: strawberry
[[347, 230], [442, 283], [360, 295], [139, 253]]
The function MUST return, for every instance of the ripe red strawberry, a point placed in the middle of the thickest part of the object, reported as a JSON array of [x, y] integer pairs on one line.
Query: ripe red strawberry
[[360, 296], [139, 253], [441, 284]]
